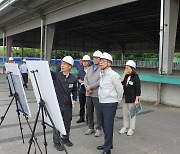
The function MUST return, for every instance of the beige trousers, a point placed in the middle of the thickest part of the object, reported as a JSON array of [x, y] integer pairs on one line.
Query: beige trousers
[[127, 121]]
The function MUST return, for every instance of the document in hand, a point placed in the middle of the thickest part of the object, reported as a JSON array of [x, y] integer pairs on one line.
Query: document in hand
[[134, 110]]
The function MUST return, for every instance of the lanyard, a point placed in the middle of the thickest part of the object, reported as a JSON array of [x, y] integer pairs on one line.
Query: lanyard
[[129, 77]]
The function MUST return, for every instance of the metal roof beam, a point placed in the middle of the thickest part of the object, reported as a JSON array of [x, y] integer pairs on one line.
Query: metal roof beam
[[21, 6]]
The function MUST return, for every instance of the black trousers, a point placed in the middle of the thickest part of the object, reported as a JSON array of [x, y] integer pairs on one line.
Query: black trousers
[[67, 117], [82, 102], [25, 79]]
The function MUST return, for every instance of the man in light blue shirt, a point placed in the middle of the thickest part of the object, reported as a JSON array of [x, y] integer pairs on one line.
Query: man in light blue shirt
[[24, 73]]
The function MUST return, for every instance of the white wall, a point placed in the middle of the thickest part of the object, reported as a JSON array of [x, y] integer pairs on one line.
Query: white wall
[[149, 91], [170, 94]]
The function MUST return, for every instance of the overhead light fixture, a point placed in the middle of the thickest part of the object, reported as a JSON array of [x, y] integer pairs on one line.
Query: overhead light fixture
[[6, 4]]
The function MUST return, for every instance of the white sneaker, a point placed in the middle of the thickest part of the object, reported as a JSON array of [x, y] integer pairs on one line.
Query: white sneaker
[[89, 131], [130, 132], [98, 133], [123, 130]]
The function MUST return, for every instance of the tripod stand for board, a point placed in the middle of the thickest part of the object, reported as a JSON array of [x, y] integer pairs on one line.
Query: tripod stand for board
[[18, 104], [44, 112]]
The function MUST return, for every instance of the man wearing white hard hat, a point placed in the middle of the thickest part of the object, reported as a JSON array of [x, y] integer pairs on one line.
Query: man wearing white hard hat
[[11, 60], [65, 85], [132, 91], [24, 73], [110, 93], [91, 82], [82, 92]]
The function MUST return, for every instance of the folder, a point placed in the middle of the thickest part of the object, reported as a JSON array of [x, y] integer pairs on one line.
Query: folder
[[134, 110]]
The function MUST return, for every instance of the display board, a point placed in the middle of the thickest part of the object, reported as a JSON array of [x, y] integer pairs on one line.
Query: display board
[[47, 91], [15, 81]]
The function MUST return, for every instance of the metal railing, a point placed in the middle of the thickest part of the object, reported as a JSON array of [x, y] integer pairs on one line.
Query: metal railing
[[140, 64], [145, 64]]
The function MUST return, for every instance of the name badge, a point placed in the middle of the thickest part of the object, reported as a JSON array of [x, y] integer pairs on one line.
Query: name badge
[[70, 85], [131, 83]]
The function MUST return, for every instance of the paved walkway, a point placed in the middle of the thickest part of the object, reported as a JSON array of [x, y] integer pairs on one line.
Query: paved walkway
[[157, 130]]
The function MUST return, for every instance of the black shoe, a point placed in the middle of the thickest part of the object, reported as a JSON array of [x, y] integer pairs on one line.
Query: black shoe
[[68, 143], [10, 95], [80, 120], [108, 152], [58, 147], [101, 147]]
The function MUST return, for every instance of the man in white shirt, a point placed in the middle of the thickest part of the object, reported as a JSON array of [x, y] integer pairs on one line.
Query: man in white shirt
[[24, 73], [110, 93]]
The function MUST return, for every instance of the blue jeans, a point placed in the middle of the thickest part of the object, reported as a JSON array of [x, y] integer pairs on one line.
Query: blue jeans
[[107, 114]]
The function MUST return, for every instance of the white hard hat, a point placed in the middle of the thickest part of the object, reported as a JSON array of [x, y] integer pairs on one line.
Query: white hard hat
[[24, 60], [107, 56], [97, 54], [69, 60], [131, 63], [86, 57], [11, 58]]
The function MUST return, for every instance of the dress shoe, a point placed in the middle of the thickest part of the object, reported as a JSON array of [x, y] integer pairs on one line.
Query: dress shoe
[[108, 152], [67, 142], [58, 147], [80, 120], [101, 147]]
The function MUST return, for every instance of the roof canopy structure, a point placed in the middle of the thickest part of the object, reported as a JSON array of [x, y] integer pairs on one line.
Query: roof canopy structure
[[139, 26], [134, 25]]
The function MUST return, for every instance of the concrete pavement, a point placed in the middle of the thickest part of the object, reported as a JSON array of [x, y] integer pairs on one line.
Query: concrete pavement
[[157, 130]]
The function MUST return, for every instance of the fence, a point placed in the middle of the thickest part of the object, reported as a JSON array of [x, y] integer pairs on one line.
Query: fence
[[121, 63], [140, 64]]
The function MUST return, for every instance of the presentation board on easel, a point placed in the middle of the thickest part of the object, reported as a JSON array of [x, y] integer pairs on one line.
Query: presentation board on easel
[[46, 87], [15, 81]]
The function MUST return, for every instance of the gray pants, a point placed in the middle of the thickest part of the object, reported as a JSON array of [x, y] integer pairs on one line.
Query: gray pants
[[93, 102], [128, 122]]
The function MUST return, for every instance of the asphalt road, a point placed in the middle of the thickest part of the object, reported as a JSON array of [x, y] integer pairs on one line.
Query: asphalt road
[[157, 130]]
